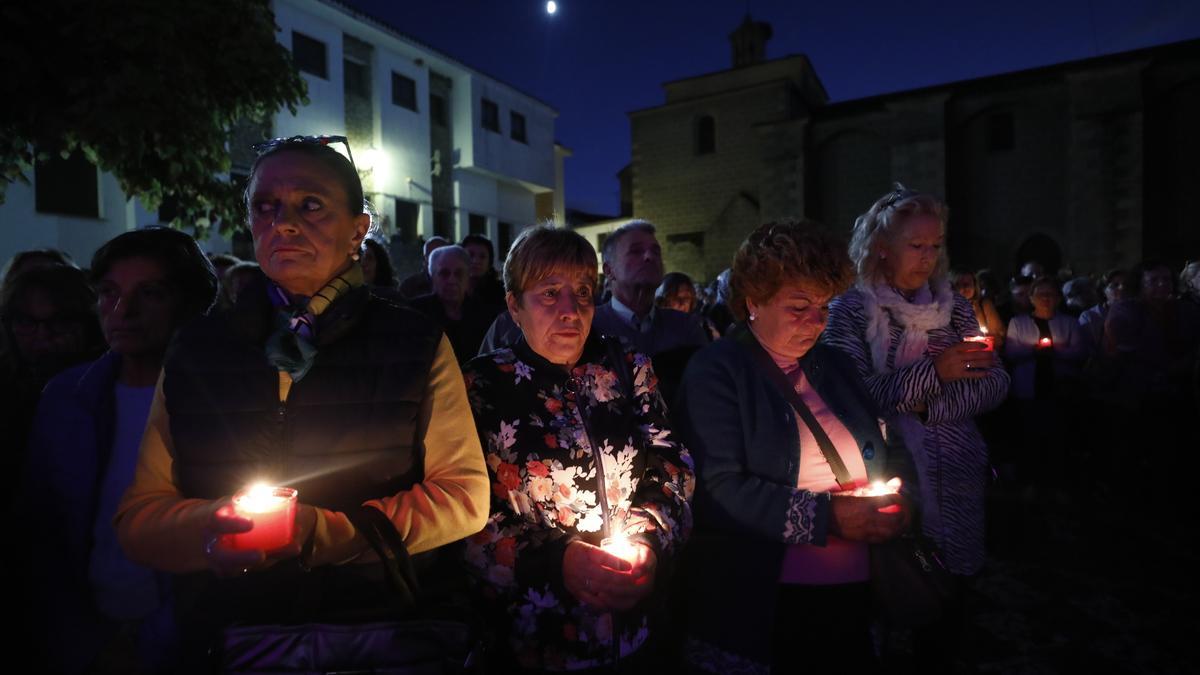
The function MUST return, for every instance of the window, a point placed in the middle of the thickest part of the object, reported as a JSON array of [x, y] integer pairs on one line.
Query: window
[[1000, 134], [491, 116], [437, 110], [404, 91], [505, 234], [357, 79], [517, 127], [309, 55], [443, 224], [67, 187], [477, 224], [706, 135], [406, 220]]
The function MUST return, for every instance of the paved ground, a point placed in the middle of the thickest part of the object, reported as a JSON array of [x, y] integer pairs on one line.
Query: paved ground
[[1084, 584]]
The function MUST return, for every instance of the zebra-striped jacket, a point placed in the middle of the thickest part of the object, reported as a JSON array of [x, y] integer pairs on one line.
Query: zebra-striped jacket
[[947, 449]]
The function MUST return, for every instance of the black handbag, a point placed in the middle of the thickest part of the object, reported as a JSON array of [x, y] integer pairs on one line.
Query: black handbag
[[910, 586], [416, 639]]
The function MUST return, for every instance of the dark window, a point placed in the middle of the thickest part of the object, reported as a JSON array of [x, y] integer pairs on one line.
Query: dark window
[[406, 220], [518, 127], [357, 79], [437, 110], [706, 135], [404, 91], [505, 232], [491, 116], [1000, 132], [67, 186], [309, 55], [477, 224], [443, 224]]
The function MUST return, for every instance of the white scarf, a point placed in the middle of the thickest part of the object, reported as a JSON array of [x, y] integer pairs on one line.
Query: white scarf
[[927, 311]]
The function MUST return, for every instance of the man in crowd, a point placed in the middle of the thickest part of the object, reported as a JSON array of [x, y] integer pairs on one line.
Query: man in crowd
[[420, 283]]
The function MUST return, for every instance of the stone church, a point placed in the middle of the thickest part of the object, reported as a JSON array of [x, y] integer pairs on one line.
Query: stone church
[[1083, 165]]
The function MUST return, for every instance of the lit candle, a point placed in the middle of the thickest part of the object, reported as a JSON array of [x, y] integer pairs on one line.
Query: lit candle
[[879, 489], [1045, 342], [988, 341], [273, 512], [621, 547]]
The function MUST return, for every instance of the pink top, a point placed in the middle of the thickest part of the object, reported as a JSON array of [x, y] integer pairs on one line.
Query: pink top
[[839, 561]]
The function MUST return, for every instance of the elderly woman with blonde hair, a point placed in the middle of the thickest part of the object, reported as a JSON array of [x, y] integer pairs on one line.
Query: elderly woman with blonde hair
[[589, 485], [784, 434], [905, 329]]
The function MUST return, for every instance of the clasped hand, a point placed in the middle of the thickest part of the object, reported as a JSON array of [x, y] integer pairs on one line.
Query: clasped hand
[[225, 561], [605, 581], [964, 361], [861, 518]]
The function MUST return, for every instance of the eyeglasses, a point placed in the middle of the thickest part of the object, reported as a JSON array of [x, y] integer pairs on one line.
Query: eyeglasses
[[268, 146]]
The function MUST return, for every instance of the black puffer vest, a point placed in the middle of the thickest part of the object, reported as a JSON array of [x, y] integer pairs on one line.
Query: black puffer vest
[[347, 432]]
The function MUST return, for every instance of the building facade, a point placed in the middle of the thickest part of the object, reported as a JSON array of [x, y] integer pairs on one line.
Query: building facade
[[1086, 165], [441, 147]]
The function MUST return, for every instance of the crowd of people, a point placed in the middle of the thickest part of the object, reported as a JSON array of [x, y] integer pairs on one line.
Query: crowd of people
[[644, 473]]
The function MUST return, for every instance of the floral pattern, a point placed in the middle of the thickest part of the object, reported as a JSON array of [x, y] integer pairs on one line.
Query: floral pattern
[[542, 464]]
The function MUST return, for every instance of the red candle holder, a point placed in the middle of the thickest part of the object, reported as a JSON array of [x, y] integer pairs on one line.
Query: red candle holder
[[273, 512], [1045, 343], [988, 341]]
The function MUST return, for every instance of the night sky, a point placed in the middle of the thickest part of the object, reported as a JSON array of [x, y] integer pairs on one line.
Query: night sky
[[596, 60]]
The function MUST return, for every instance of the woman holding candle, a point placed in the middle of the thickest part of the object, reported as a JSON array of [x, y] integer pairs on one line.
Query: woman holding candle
[[578, 450], [966, 285], [903, 327], [785, 438], [1045, 351], [312, 382]]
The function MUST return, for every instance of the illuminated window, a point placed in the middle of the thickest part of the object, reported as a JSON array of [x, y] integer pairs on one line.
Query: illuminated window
[[309, 55], [491, 116], [706, 135], [404, 91], [517, 127], [68, 187]]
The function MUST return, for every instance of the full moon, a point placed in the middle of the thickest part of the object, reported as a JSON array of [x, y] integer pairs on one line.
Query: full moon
[[551, 7]]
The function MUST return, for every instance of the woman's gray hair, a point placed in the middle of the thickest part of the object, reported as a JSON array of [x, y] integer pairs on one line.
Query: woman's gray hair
[[883, 220]]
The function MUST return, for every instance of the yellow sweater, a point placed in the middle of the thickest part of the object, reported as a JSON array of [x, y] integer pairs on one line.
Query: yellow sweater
[[160, 528]]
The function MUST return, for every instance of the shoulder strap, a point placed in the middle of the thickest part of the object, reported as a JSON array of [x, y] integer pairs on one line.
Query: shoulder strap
[[767, 365], [387, 543]]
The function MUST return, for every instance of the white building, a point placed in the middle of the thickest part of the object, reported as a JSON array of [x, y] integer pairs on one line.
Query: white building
[[442, 148]]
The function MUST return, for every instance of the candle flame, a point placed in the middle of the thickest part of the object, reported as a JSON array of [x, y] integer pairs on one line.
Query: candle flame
[[260, 498]]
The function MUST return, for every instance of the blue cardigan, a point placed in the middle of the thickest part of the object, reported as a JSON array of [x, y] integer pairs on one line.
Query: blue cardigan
[[744, 439]]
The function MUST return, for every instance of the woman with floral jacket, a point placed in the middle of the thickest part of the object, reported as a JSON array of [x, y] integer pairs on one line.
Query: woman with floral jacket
[[579, 451]]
